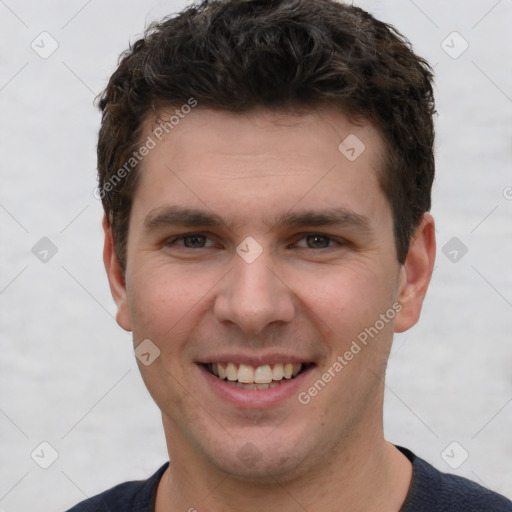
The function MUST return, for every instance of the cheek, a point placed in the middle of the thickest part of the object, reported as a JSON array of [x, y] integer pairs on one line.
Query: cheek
[[157, 300], [165, 302], [347, 299]]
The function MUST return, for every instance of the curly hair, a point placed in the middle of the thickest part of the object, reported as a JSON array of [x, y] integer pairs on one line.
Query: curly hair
[[274, 54]]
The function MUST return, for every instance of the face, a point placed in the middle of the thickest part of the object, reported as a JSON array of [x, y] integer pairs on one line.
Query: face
[[259, 258]]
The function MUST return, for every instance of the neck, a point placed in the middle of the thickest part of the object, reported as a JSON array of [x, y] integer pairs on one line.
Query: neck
[[371, 476]]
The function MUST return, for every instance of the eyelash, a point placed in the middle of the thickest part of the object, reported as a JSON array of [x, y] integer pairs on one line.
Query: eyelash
[[338, 241]]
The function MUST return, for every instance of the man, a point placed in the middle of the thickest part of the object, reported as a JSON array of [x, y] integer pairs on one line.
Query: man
[[265, 169]]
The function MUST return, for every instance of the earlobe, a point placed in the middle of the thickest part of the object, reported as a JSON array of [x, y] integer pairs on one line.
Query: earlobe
[[116, 278], [415, 274]]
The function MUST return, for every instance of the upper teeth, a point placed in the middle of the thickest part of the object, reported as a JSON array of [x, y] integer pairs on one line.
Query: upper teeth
[[263, 374]]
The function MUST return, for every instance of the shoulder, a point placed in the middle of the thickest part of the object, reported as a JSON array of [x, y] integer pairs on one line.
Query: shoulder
[[128, 496], [467, 495], [433, 490]]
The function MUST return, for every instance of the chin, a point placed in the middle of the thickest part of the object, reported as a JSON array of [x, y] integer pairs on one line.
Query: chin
[[267, 470], [263, 461]]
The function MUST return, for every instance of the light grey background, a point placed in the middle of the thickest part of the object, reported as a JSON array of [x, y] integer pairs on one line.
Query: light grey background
[[67, 371]]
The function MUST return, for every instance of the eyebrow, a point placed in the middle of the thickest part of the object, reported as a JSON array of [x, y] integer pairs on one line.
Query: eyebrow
[[192, 217]]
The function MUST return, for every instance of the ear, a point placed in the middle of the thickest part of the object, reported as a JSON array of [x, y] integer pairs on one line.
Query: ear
[[115, 278], [415, 274]]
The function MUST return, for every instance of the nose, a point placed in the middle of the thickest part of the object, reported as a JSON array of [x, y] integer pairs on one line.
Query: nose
[[253, 295]]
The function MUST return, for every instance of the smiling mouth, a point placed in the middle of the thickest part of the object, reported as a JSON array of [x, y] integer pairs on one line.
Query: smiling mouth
[[262, 377]]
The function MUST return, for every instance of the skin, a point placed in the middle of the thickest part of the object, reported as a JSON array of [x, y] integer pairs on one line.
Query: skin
[[303, 297]]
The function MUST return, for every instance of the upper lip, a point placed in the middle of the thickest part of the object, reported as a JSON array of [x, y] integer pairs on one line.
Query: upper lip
[[255, 360]]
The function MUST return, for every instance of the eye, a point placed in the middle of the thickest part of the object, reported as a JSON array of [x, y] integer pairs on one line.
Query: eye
[[190, 241], [319, 241], [200, 241]]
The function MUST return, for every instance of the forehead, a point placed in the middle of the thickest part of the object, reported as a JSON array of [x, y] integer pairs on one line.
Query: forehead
[[261, 158], [263, 131]]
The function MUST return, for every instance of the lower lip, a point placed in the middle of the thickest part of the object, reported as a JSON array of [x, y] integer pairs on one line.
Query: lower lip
[[255, 398]]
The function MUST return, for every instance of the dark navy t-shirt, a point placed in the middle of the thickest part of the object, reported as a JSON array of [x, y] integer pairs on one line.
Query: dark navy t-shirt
[[430, 491]]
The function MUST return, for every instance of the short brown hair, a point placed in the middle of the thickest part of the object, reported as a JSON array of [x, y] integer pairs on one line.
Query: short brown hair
[[275, 54]]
